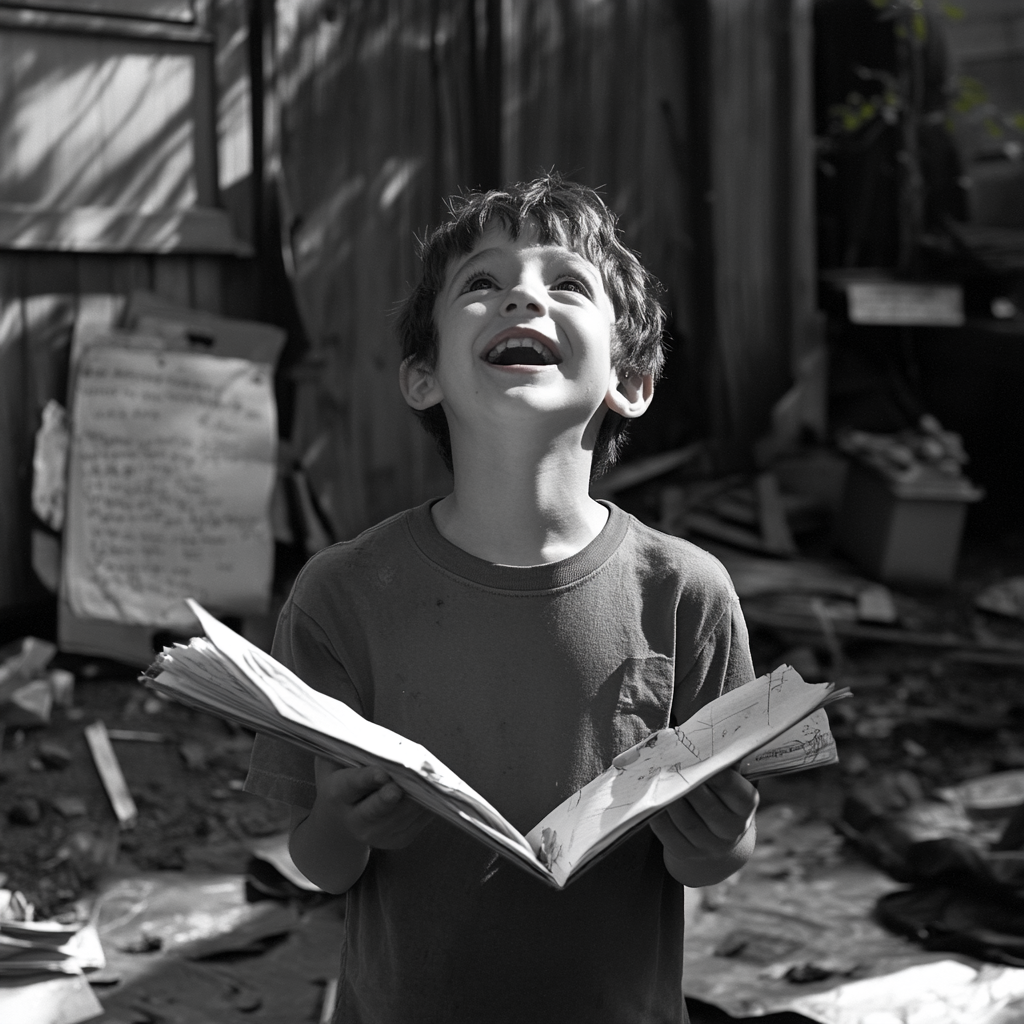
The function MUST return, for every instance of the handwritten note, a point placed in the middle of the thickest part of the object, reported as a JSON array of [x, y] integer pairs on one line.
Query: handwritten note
[[172, 470]]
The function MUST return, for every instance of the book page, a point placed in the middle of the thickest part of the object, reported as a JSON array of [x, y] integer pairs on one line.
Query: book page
[[669, 763], [808, 744], [173, 461], [320, 718]]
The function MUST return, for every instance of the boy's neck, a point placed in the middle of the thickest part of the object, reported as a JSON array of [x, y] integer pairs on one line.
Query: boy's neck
[[511, 506]]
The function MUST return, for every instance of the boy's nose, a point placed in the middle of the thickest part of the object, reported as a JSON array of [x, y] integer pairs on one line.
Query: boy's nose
[[524, 298]]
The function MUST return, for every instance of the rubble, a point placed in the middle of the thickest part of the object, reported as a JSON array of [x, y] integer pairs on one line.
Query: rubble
[[940, 710]]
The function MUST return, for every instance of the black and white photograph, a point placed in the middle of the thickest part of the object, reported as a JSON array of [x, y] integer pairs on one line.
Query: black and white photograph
[[512, 511]]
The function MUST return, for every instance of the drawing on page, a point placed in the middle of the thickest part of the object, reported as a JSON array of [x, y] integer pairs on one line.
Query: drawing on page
[[550, 849], [775, 683], [630, 756], [732, 723], [677, 768], [687, 743]]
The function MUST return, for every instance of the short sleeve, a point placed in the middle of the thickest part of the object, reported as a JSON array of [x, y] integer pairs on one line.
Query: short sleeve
[[279, 770], [722, 663]]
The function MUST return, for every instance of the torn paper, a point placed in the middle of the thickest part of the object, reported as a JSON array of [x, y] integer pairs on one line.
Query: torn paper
[[49, 466]]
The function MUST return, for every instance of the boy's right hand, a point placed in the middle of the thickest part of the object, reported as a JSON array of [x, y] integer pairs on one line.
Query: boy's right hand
[[368, 806]]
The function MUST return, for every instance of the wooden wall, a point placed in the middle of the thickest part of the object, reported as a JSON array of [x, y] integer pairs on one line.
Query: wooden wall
[[601, 91], [374, 131], [766, 328], [692, 119], [463, 95]]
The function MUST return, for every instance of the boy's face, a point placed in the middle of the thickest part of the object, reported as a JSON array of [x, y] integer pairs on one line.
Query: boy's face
[[523, 328]]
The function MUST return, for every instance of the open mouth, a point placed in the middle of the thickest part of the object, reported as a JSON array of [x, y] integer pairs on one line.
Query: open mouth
[[521, 352]]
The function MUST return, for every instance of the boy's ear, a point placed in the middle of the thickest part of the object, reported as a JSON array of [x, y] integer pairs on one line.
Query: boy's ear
[[629, 396], [419, 388]]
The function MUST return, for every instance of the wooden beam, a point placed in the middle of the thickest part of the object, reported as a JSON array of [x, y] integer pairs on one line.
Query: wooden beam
[[70, 23], [110, 773], [110, 229]]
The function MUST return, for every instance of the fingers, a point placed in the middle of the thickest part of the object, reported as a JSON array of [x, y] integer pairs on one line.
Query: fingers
[[369, 806], [738, 794], [381, 803], [712, 818], [349, 785], [726, 805]]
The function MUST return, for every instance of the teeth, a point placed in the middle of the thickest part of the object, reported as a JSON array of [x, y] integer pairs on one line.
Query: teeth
[[533, 343]]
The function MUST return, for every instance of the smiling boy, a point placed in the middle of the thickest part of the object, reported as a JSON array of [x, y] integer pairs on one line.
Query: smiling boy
[[523, 632]]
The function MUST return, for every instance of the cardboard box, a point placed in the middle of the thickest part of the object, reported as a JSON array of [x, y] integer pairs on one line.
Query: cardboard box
[[904, 531]]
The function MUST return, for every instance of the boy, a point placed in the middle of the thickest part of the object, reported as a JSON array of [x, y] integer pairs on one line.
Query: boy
[[525, 634]]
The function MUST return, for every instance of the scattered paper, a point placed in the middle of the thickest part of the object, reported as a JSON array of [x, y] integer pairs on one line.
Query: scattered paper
[[49, 466], [946, 992], [1005, 597], [24, 664], [46, 556], [29, 947], [195, 330], [172, 469], [97, 314], [60, 1000]]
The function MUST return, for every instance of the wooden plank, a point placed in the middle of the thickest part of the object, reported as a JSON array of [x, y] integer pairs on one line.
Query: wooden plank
[[132, 273], [172, 278], [772, 516], [109, 769], [48, 273], [49, 324], [234, 113], [753, 206], [114, 229], [67, 22], [95, 275], [105, 113], [15, 454], [206, 284]]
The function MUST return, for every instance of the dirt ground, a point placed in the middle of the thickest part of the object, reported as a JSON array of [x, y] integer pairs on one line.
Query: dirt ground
[[920, 719], [185, 779]]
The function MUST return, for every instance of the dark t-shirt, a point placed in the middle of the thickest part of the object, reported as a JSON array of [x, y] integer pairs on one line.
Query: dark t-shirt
[[526, 682]]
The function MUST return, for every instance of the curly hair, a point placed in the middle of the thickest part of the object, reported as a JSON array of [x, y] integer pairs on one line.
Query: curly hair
[[566, 214]]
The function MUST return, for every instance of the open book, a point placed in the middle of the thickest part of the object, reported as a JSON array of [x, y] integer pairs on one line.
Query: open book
[[773, 724]]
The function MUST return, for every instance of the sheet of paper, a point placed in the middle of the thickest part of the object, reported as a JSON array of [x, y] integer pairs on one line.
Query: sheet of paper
[[669, 763], [196, 330], [58, 1000], [173, 461], [319, 716], [947, 991], [807, 744], [49, 466], [97, 314]]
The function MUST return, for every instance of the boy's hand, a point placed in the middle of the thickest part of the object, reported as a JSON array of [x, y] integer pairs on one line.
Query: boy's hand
[[370, 807], [709, 833]]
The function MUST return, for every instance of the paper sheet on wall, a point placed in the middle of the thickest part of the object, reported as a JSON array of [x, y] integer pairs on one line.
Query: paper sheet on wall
[[171, 474]]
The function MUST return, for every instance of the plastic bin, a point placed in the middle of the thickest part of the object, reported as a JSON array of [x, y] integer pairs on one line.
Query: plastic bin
[[903, 532]]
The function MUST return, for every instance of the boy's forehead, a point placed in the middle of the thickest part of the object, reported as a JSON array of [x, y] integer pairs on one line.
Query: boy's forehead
[[496, 237]]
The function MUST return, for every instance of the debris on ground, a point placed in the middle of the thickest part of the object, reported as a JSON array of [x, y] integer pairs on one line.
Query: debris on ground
[[1004, 597], [815, 924]]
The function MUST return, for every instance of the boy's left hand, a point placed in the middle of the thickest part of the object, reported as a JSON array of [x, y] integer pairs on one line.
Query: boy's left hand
[[710, 831]]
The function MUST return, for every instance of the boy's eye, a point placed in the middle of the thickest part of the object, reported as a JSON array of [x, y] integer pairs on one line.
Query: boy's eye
[[572, 285], [479, 283]]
